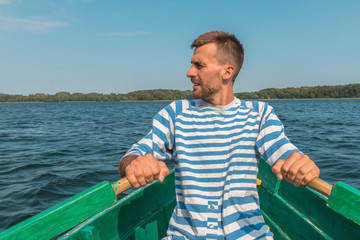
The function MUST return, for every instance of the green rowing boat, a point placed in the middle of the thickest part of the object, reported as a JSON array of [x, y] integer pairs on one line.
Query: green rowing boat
[[291, 212]]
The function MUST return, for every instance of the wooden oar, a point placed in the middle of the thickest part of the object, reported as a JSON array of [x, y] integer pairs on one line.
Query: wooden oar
[[68, 213], [342, 198]]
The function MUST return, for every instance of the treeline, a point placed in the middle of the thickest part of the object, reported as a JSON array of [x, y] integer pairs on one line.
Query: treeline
[[339, 91], [142, 95]]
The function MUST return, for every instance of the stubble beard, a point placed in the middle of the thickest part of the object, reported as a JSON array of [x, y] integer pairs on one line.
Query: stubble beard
[[204, 92]]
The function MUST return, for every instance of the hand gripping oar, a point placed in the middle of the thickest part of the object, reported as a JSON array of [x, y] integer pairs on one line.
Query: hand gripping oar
[[68, 213], [342, 198]]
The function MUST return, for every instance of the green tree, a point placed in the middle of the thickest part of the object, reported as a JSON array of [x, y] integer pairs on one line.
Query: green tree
[[62, 97]]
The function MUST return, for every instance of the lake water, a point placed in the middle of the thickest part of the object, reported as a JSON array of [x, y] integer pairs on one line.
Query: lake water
[[51, 151]]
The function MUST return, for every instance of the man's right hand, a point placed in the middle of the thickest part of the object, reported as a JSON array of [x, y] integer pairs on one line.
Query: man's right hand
[[142, 170]]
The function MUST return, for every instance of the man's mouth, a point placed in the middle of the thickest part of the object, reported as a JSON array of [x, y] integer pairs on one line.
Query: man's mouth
[[196, 84]]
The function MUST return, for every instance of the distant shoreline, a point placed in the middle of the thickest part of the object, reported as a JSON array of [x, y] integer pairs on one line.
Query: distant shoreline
[[138, 101], [349, 91]]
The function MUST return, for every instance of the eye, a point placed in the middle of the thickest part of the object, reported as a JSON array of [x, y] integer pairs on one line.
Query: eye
[[198, 65]]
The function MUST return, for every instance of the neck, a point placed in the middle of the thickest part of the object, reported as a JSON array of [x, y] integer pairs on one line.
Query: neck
[[222, 98]]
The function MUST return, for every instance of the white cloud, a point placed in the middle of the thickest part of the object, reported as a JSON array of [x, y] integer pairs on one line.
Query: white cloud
[[30, 25], [129, 34], [5, 1]]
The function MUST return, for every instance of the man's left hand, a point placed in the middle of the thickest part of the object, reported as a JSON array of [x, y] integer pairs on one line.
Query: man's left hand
[[297, 169]]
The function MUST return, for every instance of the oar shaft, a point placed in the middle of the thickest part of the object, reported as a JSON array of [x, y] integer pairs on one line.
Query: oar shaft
[[316, 184], [121, 186], [320, 186]]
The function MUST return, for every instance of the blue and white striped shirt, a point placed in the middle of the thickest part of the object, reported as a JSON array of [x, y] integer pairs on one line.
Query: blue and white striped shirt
[[216, 150]]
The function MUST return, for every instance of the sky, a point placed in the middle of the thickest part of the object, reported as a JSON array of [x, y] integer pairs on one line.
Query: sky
[[123, 46]]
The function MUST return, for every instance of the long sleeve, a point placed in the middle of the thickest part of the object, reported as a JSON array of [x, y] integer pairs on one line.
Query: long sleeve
[[272, 143], [160, 140]]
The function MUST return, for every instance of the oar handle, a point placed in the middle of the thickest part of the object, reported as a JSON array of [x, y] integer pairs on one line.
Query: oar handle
[[316, 184], [320, 186], [121, 186]]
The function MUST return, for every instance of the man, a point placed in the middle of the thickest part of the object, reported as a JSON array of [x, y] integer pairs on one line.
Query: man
[[216, 141]]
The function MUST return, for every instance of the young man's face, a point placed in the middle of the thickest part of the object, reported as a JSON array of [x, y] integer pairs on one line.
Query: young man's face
[[205, 72]]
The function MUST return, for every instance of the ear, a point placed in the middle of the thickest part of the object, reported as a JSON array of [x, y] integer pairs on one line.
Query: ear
[[228, 72]]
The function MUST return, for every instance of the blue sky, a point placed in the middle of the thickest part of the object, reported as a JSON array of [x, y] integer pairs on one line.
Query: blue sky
[[122, 46]]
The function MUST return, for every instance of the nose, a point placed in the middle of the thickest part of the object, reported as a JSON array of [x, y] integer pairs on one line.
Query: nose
[[192, 72]]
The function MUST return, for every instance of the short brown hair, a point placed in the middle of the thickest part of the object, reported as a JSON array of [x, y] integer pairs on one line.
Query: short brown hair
[[229, 49]]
